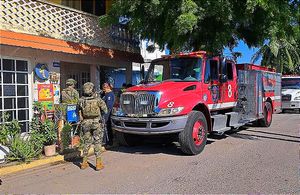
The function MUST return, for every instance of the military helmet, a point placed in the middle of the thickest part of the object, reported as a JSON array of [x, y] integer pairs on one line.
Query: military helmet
[[88, 88], [71, 82]]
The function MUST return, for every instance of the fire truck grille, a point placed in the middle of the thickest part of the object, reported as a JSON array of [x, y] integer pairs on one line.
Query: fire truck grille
[[286, 97], [137, 103]]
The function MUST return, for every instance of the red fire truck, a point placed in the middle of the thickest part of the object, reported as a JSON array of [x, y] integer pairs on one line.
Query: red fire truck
[[190, 95]]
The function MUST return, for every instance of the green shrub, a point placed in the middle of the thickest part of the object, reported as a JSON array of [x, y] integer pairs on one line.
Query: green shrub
[[66, 135], [38, 139], [23, 149], [45, 131], [49, 130], [8, 130]]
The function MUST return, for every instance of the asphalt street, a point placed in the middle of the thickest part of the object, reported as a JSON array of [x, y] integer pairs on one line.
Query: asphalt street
[[252, 160]]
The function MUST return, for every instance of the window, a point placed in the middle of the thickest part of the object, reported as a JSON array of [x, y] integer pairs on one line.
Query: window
[[229, 71], [186, 69], [72, 3], [211, 71], [14, 93], [96, 7], [100, 7], [87, 6], [290, 83], [156, 73]]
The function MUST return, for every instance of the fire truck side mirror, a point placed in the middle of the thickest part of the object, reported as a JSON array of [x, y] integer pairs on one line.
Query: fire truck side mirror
[[223, 78]]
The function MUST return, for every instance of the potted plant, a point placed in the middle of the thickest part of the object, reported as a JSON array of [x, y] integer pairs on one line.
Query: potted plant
[[49, 133]]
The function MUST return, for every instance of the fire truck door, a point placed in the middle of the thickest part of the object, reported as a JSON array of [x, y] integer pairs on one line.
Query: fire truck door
[[211, 84], [228, 85]]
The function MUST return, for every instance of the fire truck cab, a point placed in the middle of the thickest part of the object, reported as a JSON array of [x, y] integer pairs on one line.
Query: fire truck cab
[[291, 93], [191, 95]]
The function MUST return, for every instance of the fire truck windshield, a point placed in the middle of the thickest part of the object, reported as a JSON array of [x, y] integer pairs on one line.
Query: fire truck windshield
[[177, 69], [290, 83]]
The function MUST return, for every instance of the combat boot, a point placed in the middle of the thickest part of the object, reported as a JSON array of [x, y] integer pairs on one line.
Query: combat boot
[[99, 164], [84, 163]]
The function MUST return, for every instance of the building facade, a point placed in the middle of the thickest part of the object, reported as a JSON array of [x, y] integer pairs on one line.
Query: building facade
[[43, 43]]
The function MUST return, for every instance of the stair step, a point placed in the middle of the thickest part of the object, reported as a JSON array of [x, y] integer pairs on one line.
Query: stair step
[[233, 119], [220, 123]]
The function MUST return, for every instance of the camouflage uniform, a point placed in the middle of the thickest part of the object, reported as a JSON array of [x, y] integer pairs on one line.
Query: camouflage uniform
[[90, 108], [69, 94]]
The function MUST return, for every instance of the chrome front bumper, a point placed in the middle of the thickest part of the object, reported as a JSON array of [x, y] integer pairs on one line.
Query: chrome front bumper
[[149, 126], [290, 104]]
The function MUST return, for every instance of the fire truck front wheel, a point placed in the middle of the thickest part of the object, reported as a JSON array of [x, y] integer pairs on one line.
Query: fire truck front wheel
[[267, 119], [194, 136], [126, 139]]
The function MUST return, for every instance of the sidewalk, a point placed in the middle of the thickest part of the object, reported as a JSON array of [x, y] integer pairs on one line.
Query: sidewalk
[[5, 170], [24, 166]]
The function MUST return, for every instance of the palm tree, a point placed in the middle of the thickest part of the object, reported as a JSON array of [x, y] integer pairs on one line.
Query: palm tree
[[281, 54]]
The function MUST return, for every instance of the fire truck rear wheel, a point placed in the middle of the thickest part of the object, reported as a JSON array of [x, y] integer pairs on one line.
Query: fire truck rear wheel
[[267, 120], [126, 139], [194, 136]]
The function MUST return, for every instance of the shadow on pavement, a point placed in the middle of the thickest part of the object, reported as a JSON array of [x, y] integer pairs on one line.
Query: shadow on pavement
[[271, 133], [154, 148], [256, 134], [255, 137], [76, 161], [290, 112]]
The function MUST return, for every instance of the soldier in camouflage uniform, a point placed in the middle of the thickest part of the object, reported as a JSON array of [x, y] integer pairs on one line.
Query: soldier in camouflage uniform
[[90, 108], [69, 94]]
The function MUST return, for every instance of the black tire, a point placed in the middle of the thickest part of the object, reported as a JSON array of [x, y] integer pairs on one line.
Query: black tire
[[189, 145], [265, 122], [126, 139]]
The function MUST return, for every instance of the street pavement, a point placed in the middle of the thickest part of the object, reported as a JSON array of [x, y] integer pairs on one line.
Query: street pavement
[[253, 160]]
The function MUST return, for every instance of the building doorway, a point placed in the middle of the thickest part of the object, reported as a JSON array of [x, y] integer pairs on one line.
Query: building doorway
[[115, 76]]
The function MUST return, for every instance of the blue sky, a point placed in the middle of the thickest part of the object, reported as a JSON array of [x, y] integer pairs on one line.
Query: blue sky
[[247, 53]]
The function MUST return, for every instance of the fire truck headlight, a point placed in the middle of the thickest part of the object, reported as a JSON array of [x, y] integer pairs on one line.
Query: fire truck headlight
[[170, 111], [297, 96]]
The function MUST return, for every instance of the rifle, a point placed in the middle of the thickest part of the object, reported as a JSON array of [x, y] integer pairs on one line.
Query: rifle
[[104, 127]]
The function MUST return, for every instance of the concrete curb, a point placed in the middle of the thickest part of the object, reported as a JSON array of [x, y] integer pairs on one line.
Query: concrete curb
[[33, 164], [48, 160]]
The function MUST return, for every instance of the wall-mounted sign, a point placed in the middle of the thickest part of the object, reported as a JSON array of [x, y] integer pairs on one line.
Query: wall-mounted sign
[[56, 94], [41, 71], [48, 105], [45, 92], [123, 20], [56, 64], [54, 77]]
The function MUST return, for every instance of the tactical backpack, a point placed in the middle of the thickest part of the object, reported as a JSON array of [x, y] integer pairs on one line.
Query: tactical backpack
[[90, 108]]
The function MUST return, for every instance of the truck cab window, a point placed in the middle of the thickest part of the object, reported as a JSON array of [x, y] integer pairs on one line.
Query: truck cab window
[[229, 71], [178, 70], [156, 73], [207, 73], [211, 71]]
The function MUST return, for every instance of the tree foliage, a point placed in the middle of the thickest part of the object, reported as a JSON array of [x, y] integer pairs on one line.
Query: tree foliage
[[207, 24], [283, 49], [281, 54]]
